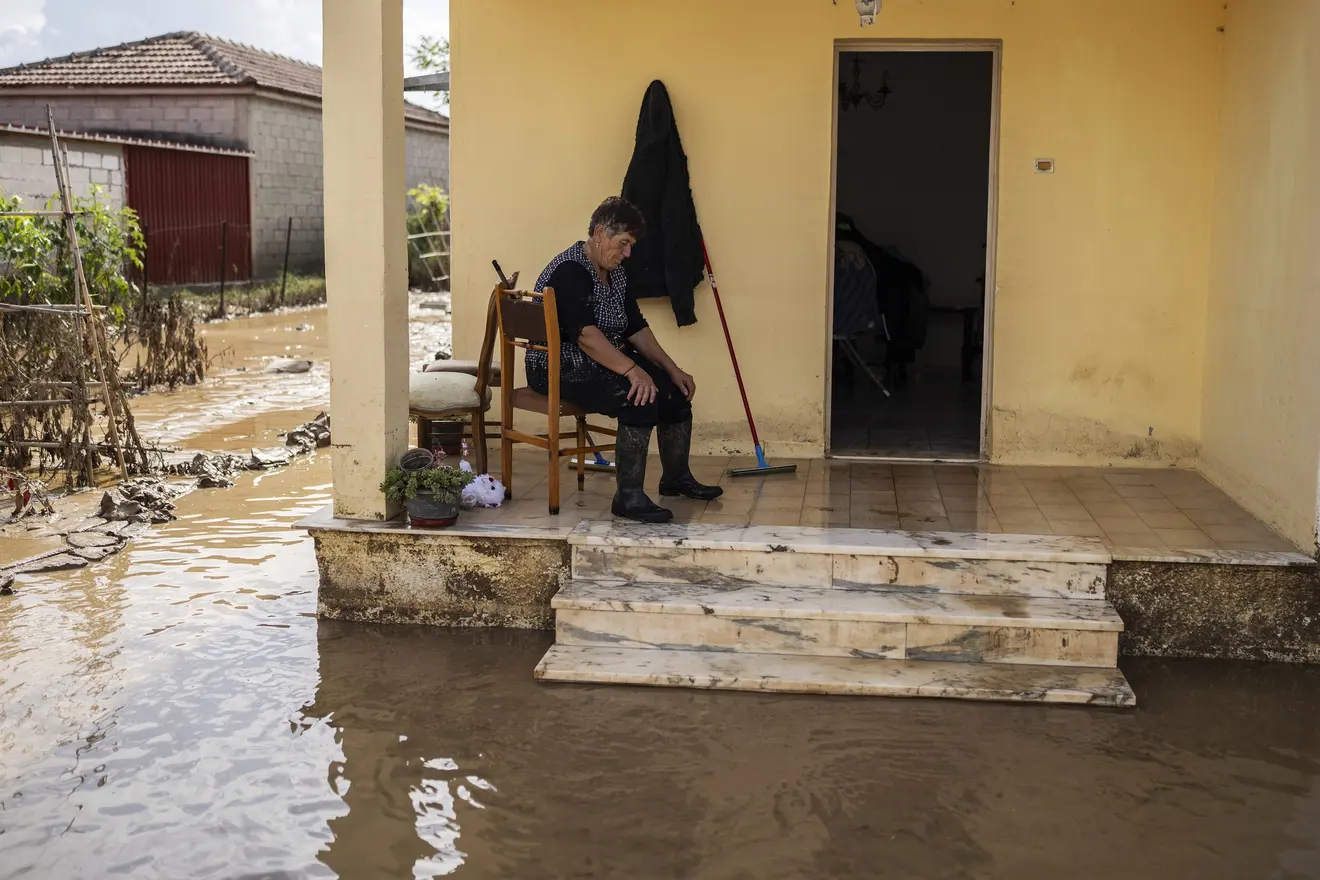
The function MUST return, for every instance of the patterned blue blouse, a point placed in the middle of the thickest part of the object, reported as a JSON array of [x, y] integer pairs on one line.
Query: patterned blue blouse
[[583, 300]]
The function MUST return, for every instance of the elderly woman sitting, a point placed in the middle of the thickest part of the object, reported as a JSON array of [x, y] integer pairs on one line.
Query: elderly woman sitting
[[612, 364]]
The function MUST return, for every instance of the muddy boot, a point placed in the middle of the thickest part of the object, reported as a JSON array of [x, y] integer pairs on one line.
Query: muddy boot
[[630, 501], [676, 476]]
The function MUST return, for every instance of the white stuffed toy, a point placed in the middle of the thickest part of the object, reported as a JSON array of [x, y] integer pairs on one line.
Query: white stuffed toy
[[484, 491]]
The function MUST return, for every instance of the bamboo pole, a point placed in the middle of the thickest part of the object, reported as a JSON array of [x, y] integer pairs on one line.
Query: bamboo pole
[[80, 385], [107, 353], [60, 159]]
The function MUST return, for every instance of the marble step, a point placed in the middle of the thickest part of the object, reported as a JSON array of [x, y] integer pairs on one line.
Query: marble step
[[867, 623], [835, 675], [1007, 565]]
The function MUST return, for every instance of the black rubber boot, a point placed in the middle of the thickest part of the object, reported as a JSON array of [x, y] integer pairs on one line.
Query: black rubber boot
[[630, 501], [676, 476]]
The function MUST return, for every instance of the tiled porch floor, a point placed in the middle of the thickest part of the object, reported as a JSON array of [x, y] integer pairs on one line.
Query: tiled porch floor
[[1135, 510]]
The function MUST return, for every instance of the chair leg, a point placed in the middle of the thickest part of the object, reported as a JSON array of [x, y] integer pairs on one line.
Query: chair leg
[[581, 456], [553, 476], [424, 433], [479, 440]]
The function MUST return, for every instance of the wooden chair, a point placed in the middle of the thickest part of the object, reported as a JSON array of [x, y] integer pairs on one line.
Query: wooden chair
[[530, 321], [435, 396]]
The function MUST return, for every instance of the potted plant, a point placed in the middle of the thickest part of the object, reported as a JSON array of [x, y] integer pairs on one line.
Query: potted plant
[[430, 496]]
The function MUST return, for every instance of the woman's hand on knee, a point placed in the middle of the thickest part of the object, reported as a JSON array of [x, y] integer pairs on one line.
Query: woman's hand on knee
[[642, 390], [685, 383]]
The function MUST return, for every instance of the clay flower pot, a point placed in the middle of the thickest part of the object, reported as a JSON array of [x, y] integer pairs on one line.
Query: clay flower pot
[[428, 511]]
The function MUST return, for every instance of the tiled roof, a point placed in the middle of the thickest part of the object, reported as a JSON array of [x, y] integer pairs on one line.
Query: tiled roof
[[185, 58]]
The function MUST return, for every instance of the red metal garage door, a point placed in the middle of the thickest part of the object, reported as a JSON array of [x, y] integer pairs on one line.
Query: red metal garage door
[[194, 208]]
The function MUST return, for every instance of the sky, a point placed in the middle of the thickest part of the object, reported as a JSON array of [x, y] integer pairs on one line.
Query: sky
[[34, 29]]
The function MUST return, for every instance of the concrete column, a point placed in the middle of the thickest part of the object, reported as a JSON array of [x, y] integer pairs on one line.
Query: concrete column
[[366, 263]]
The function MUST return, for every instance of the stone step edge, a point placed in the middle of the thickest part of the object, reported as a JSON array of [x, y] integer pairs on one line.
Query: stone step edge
[[843, 542], [786, 673], [813, 603]]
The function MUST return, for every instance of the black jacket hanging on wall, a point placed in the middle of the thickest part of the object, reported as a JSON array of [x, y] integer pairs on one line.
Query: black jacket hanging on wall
[[667, 261]]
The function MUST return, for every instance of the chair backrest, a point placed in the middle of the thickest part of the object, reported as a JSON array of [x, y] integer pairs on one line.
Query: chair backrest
[[488, 342], [523, 318], [528, 320]]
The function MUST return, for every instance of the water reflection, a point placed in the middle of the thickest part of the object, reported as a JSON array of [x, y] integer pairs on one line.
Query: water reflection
[[454, 761]]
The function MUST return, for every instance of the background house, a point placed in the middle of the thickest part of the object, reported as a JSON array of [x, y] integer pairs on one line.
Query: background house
[[253, 119]]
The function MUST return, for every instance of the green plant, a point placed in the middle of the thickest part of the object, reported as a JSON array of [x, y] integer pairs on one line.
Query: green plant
[[35, 265], [445, 483], [429, 214]]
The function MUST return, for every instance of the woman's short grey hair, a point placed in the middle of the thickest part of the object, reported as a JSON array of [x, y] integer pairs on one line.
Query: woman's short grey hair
[[618, 216]]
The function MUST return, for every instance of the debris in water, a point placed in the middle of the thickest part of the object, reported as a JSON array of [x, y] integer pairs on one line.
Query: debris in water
[[130, 509], [30, 498], [96, 554], [270, 458], [147, 500], [215, 471], [288, 365], [84, 540], [86, 524], [313, 435], [58, 562]]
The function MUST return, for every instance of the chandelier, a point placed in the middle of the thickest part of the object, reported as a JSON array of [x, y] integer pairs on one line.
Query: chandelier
[[866, 10], [852, 95]]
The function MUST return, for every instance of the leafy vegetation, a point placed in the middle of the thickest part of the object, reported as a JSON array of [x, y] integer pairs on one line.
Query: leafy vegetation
[[445, 483], [430, 214], [36, 267], [245, 298], [46, 356], [432, 55]]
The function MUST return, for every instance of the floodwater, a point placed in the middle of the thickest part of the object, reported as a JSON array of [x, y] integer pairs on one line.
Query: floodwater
[[178, 712]]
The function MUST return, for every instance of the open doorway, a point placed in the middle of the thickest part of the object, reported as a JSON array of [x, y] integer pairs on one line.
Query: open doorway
[[912, 253]]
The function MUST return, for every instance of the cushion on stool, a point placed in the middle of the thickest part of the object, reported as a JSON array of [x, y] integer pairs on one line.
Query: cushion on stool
[[436, 392], [468, 367]]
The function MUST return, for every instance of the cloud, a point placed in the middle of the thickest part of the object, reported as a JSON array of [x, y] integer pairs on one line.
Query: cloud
[[34, 29], [21, 24]]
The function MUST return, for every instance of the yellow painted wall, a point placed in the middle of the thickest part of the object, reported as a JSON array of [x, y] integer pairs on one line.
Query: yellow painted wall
[[1262, 378], [1100, 318]]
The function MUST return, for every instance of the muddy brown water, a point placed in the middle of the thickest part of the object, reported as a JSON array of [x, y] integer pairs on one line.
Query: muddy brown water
[[178, 712]]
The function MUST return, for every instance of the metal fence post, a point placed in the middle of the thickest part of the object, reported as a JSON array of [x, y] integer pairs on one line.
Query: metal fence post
[[284, 279]]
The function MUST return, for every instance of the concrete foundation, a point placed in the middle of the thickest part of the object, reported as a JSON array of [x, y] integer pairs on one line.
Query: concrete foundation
[[1265, 607], [438, 579], [1237, 612]]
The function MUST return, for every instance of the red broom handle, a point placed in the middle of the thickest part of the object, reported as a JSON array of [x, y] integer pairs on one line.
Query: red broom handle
[[737, 373]]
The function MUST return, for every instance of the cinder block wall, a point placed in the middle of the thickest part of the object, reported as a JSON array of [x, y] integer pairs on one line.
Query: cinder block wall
[[26, 169], [428, 158], [283, 133], [288, 182], [211, 120], [285, 138]]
